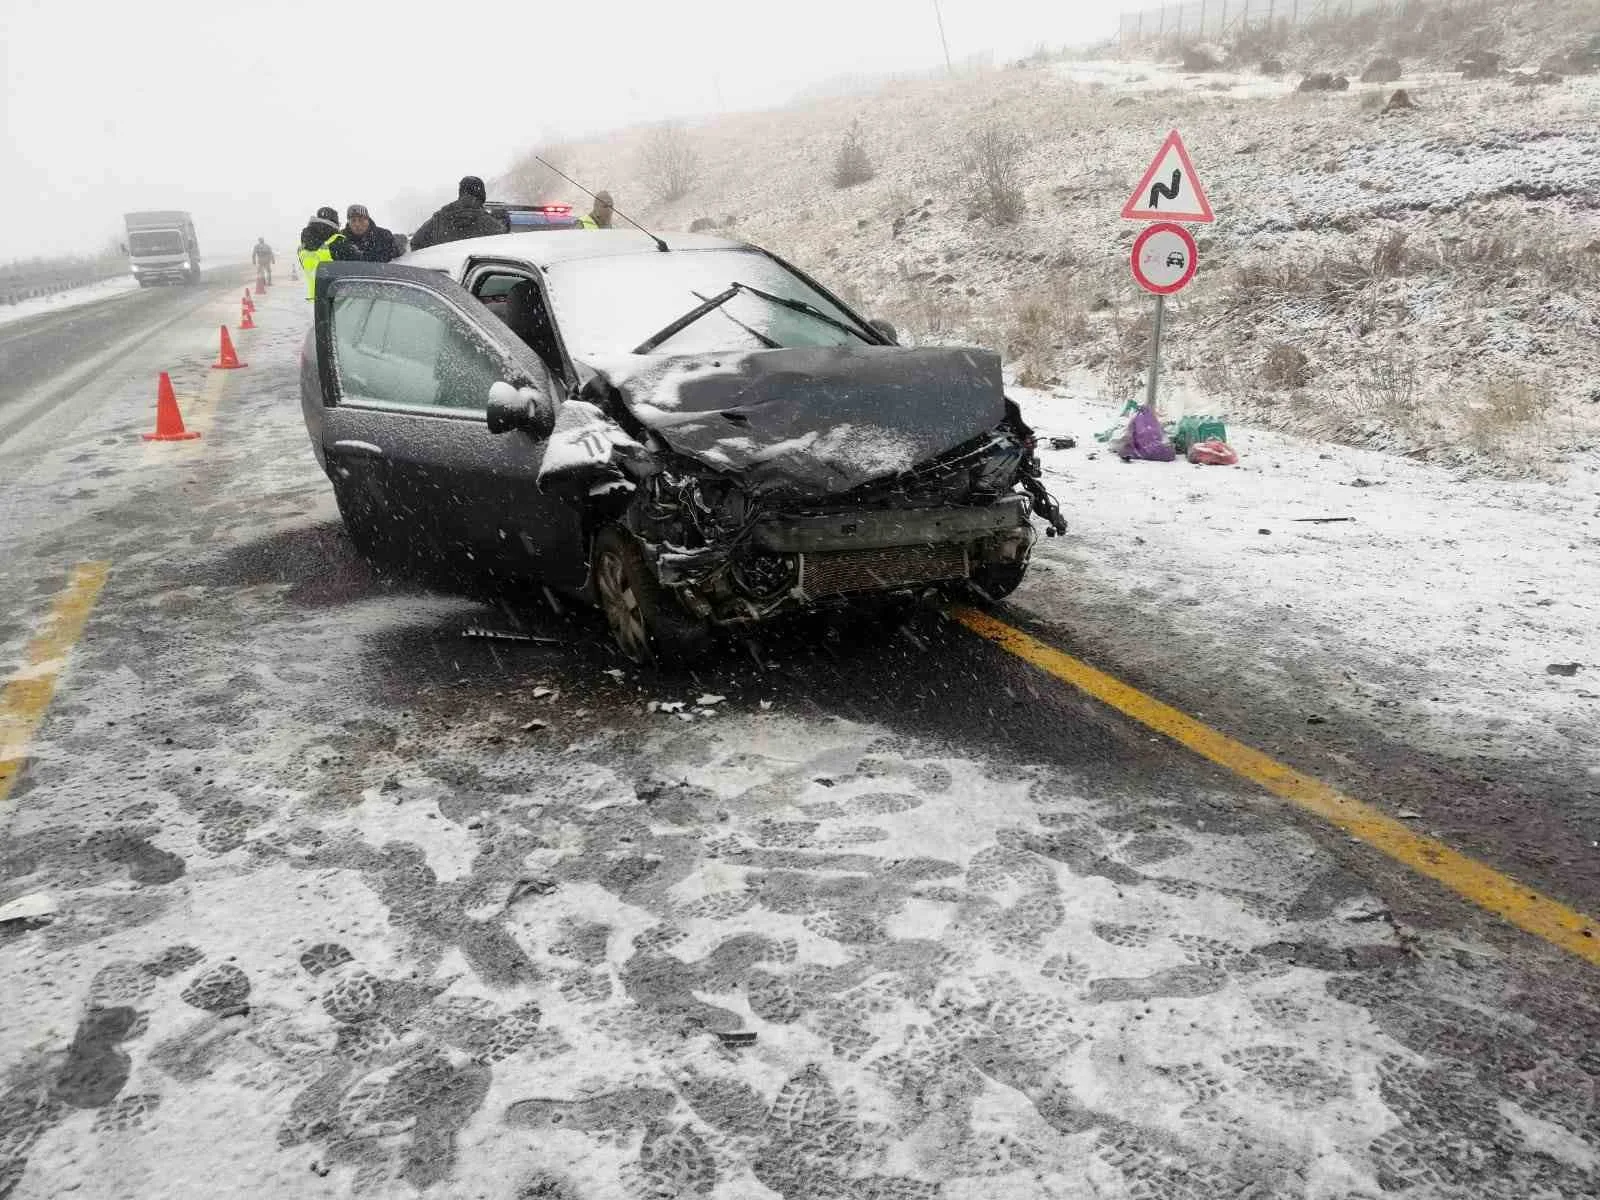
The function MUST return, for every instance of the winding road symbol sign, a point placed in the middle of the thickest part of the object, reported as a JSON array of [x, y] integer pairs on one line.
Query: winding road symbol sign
[[1170, 189]]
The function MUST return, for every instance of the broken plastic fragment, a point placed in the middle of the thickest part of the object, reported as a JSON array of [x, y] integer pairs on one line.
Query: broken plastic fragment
[[737, 1037], [539, 693], [616, 673], [532, 726], [502, 635], [34, 909], [707, 700]]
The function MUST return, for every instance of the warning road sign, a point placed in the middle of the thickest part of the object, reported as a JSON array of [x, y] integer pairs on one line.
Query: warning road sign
[[1170, 189], [1165, 259]]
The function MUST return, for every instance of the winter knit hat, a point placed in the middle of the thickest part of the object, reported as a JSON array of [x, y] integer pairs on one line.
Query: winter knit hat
[[328, 213], [357, 210], [471, 185]]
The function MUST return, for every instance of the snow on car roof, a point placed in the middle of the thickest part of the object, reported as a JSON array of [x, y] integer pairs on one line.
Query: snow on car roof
[[543, 248]]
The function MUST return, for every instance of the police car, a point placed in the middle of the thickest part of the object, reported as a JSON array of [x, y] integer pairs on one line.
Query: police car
[[525, 218]]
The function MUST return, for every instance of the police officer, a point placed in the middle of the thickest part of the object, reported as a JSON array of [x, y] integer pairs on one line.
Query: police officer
[[463, 217], [599, 217], [316, 245]]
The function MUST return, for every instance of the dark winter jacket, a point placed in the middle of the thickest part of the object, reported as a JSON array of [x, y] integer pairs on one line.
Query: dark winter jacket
[[463, 218], [378, 246], [316, 232]]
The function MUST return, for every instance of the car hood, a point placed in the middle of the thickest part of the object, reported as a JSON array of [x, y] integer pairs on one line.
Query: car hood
[[812, 421]]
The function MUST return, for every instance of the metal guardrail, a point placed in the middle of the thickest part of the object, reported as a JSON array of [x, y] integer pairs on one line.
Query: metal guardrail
[[15, 292], [1219, 18]]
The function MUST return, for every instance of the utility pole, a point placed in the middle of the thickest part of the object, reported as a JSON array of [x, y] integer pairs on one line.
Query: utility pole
[[944, 41]]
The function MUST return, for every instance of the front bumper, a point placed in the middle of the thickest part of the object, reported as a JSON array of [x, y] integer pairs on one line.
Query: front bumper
[[804, 561]]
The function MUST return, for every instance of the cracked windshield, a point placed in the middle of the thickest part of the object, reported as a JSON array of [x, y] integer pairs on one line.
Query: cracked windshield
[[926, 600]]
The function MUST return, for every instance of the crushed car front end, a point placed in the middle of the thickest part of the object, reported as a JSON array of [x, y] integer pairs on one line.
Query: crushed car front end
[[734, 559], [780, 481]]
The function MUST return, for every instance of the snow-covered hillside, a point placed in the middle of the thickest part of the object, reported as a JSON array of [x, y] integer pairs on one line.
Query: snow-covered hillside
[[1420, 280]]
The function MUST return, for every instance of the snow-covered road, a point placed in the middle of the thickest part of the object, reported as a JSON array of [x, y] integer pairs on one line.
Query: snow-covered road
[[349, 904]]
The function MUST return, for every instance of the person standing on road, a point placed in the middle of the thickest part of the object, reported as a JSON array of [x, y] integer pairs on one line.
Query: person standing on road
[[263, 258], [600, 215], [315, 245], [363, 241], [463, 217]]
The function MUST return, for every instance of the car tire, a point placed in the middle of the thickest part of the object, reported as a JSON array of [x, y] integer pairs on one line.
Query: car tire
[[647, 624], [993, 582]]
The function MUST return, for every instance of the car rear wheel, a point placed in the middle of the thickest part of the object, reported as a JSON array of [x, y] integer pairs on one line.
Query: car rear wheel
[[646, 623]]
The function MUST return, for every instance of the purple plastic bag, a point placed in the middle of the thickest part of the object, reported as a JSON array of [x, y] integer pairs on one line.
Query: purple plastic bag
[[1146, 439]]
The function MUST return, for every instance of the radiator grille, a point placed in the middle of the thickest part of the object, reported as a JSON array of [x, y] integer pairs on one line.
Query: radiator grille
[[837, 573]]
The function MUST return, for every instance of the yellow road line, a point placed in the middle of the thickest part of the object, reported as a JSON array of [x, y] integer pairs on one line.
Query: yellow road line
[[1482, 885], [28, 692]]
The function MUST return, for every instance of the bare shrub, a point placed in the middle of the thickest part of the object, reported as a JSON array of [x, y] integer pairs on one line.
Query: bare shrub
[[1554, 262], [1390, 257], [1215, 374], [1045, 324], [852, 165], [1386, 388], [919, 308], [1285, 366], [1506, 407], [669, 162], [531, 182], [994, 157]]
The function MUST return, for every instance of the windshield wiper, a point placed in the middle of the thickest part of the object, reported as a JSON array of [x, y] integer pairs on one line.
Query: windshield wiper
[[768, 342], [688, 319], [802, 307], [721, 298]]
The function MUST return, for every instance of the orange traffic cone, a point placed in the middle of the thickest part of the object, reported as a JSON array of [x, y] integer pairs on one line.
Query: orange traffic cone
[[227, 360], [169, 421], [244, 319], [247, 302]]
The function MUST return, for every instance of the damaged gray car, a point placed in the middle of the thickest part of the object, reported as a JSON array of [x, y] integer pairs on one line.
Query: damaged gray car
[[693, 435]]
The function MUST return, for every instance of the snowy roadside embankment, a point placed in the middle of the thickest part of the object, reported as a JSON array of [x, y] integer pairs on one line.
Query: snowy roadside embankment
[[1460, 614], [71, 298]]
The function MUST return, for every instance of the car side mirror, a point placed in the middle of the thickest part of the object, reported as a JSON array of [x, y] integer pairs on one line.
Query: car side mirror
[[890, 333], [522, 408]]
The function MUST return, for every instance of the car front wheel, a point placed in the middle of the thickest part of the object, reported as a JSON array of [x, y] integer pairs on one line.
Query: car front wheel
[[996, 581], [647, 624]]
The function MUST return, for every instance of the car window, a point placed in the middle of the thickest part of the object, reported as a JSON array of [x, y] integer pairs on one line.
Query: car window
[[608, 306], [404, 347]]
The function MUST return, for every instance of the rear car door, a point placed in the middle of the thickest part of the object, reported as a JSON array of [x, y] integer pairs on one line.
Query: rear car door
[[407, 360]]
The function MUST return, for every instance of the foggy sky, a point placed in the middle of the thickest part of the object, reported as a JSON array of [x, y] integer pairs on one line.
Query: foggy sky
[[250, 116]]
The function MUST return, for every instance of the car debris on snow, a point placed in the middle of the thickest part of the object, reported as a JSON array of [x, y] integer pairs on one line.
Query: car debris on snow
[[539, 693], [737, 1037], [707, 700], [616, 673], [29, 911], [505, 635], [535, 725], [1565, 669]]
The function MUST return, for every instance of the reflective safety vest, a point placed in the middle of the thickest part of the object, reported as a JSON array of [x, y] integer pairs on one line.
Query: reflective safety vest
[[587, 222], [310, 260]]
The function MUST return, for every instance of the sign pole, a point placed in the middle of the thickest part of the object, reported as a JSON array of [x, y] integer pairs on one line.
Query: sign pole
[[1155, 355]]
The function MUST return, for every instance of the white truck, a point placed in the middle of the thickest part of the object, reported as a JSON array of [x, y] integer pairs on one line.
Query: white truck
[[162, 247]]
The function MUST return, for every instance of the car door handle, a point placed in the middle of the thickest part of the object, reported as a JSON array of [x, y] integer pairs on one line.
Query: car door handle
[[366, 448]]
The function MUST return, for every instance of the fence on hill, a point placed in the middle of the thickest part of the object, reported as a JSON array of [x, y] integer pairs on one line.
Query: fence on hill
[[1218, 19]]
